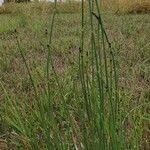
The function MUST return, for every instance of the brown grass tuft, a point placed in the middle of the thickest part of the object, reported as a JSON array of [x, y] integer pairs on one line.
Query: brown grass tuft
[[134, 6], [4, 10]]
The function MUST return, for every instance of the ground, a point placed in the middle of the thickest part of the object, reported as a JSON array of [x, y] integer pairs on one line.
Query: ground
[[130, 38]]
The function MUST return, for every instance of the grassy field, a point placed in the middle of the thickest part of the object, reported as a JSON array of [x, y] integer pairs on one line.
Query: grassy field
[[50, 96]]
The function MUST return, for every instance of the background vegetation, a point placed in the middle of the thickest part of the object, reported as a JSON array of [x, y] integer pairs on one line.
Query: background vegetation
[[43, 109]]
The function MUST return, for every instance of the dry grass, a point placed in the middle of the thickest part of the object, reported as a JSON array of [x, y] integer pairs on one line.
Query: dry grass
[[134, 6], [119, 6], [109, 5], [4, 10], [42, 7], [3, 144]]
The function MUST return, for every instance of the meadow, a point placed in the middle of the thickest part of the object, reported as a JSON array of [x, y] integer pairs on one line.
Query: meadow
[[71, 80]]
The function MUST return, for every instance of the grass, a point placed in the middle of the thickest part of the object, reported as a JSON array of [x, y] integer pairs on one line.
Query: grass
[[59, 89], [136, 6], [40, 7]]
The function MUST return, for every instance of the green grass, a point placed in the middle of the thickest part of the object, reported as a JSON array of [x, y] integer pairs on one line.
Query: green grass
[[43, 103]]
